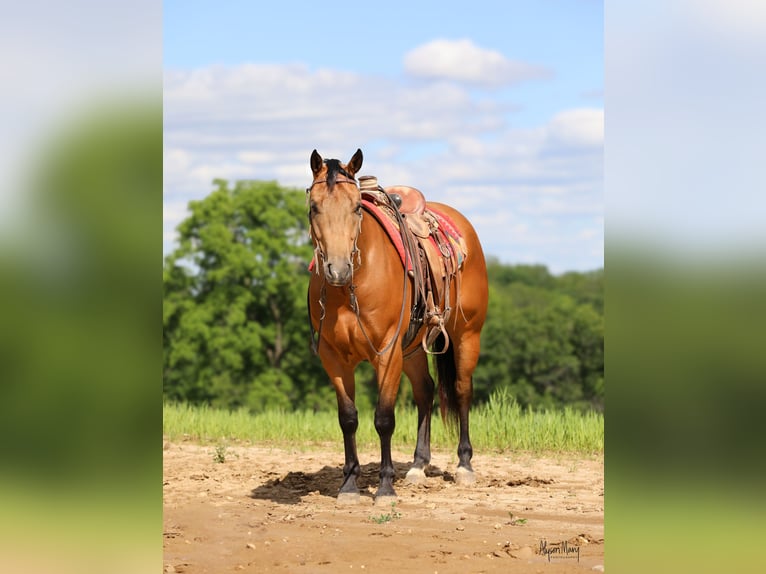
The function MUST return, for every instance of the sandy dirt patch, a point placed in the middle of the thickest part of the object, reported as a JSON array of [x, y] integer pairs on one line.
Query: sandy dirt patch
[[274, 510]]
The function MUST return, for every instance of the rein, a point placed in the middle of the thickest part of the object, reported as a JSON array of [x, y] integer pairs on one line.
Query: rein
[[315, 335]]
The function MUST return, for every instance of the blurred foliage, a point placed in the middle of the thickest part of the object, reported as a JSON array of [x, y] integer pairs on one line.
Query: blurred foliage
[[236, 330], [543, 340], [80, 389], [686, 349], [687, 370], [79, 299]]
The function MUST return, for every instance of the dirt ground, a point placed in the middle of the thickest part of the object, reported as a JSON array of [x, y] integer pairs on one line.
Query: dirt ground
[[270, 509]]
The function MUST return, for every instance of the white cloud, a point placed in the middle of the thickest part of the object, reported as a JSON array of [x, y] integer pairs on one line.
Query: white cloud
[[465, 62], [257, 157], [176, 160], [262, 116], [174, 210], [578, 128]]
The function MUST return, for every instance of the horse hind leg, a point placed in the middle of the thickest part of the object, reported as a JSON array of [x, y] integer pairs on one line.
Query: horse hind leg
[[456, 368], [466, 359], [416, 369]]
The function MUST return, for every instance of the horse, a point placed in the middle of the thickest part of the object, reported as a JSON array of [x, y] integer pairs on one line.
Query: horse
[[359, 296]]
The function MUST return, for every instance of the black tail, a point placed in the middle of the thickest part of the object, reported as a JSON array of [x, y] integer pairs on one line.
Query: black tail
[[447, 375]]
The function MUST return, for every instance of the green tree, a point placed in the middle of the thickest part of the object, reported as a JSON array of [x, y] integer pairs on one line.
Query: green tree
[[539, 342], [584, 287], [235, 324]]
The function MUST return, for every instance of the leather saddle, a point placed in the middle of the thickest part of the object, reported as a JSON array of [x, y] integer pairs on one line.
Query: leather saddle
[[411, 200]]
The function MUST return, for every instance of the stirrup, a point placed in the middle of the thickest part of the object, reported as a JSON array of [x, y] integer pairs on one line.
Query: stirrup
[[431, 336]]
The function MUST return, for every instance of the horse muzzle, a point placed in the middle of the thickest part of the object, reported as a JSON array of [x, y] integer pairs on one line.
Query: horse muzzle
[[338, 272]]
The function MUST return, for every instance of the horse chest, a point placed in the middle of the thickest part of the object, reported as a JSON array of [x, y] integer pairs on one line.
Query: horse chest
[[349, 334]]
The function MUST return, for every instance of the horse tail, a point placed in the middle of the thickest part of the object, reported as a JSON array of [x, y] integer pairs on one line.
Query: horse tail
[[447, 375]]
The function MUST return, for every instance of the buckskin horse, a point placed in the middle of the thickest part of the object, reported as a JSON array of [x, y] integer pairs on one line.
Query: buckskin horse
[[366, 303]]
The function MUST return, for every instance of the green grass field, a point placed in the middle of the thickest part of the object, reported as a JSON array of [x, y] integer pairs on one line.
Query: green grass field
[[500, 425]]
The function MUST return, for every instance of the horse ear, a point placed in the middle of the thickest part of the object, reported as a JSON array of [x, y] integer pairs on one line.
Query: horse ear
[[356, 163], [316, 162]]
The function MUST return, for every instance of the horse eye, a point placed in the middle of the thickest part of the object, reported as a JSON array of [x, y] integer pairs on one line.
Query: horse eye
[[313, 208], [358, 209]]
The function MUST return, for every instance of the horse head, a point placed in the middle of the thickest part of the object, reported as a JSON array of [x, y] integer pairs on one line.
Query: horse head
[[335, 215]]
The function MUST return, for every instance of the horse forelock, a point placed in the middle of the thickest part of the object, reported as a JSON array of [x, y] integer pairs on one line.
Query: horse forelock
[[333, 167]]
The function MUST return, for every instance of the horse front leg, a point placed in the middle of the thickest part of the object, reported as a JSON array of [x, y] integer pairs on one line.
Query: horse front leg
[[349, 422], [389, 375], [343, 381]]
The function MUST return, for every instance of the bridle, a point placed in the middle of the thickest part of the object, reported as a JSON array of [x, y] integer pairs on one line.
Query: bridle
[[354, 302], [318, 248]]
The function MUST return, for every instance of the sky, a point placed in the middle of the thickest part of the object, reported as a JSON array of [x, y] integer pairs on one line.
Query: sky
[[494, 108], [686, 129]]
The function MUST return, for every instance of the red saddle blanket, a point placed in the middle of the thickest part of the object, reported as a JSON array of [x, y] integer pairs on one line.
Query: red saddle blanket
[[447, 226]]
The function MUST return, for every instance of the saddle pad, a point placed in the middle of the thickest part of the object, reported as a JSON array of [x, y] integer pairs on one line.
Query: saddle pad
[[392, 229]]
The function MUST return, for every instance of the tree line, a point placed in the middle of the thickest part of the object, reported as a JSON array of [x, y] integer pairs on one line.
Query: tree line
[[236, 332]]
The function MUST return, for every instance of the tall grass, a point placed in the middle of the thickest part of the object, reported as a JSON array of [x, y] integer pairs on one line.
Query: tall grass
[[497, 426]]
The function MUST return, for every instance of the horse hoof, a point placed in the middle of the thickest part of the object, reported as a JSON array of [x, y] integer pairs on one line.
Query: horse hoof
[[415, 476], [463, 476], [386, 500], [347, 498]]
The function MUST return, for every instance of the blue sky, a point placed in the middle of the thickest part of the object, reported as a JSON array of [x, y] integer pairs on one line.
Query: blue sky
[[496, 108]]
